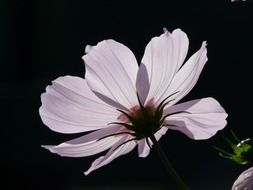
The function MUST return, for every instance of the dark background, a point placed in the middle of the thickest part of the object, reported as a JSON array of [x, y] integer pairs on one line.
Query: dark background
[[42, 40]]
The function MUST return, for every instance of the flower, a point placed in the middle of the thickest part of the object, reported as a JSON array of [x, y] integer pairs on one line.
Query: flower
[[244, 181], [237, 0], [123, 104]]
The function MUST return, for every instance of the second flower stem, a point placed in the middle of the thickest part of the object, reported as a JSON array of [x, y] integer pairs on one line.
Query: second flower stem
[[170, 169]]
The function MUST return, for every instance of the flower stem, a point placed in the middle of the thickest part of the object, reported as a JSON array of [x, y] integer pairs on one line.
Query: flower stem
[[170, 169]]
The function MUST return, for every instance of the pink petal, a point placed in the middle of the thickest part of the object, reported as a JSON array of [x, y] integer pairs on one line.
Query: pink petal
[[88, 144], [113, 153], [143, 148], [163, 56], [111, 71], [206, 116], [69, 106], [181, 45], [244, 181], [157, 56], [187, 76]]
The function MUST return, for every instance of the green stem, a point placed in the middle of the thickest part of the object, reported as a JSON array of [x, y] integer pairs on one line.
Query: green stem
[[170, 169]]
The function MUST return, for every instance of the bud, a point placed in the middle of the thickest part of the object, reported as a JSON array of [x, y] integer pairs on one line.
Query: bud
[[242, 150]]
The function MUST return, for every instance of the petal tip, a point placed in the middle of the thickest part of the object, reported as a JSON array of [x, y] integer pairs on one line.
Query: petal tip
[[87, 48], [166, 32], [204, 43], [165, 29], [179, 30], [49, 147], [143, 155]]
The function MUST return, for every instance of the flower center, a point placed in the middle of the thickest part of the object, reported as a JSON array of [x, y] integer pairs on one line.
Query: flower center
[[143, 121]]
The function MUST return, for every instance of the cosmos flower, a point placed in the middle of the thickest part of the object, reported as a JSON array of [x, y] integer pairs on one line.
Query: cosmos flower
[[122, 104], [244, 181], [237, 0]]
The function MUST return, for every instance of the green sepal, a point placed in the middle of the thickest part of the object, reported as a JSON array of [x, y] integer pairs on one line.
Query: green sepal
[[242, 150]]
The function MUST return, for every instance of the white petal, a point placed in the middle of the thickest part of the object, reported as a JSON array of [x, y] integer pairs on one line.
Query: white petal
[[143, 148], [113, 153], [180, 46], [111, 71], [89, 144], [204, 118], [69, 106], [163, 56], [187, 76]]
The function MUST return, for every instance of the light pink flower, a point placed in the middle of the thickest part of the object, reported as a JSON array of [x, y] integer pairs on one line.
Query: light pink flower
[[237, 0], [123, 103], [244, 181]]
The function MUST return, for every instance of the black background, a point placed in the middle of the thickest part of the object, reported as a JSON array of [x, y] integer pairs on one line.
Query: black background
[[42, 40]]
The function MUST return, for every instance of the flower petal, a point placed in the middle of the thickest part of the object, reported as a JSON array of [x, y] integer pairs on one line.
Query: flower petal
[[69, 106], [111, 71], [187, 76], [163, 56], [203, 119], [144, 149], [158, 53], [113, 153], [180, 46], [142, 83], [87, 145], [244, 181]]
